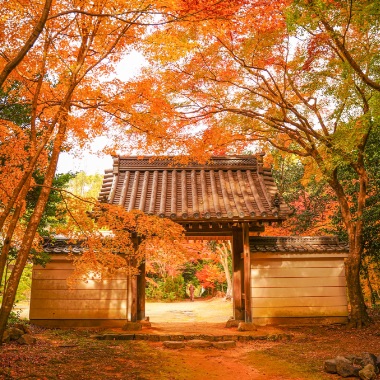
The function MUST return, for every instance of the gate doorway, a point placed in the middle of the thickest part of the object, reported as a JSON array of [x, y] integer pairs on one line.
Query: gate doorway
[[193, 287]]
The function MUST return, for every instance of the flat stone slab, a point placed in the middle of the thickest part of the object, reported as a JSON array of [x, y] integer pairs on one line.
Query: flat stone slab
[[132, 326], [198, 343], [153, 338], [224, 345], [115, 337], [177, 337], [233, 323], [245, 326], [145, 324], [174, 345]]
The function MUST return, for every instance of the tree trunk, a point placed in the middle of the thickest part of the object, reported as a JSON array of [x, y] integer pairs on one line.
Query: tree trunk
[[224, 252], [23, 254], [228, 278], [354, 227], [365, 267], [12, 227], [358, 315], [7, 242]]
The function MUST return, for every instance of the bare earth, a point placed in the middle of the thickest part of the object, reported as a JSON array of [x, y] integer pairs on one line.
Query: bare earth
[[74, 354], [206, 310], [205, 316]]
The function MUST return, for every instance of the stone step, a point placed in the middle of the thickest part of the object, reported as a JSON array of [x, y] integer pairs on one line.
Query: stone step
[[181, 338], [198, 343]]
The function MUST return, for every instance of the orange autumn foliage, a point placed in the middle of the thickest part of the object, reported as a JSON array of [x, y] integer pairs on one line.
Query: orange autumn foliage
[[209, 275], [115, 240], [298, 75], [63, 57]]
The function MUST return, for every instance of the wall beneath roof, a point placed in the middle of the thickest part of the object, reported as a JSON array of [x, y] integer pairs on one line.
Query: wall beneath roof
[[89, 303], [298, 288]]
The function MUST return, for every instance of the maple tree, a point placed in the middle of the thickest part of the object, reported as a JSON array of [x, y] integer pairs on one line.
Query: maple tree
[[315, 210], [274, 74], [203, 262], [113, 239], [312, 203], [53, 216], [221, 252], [343, 28], [168, 274], [209, 276], [59, 60], [33, 20]]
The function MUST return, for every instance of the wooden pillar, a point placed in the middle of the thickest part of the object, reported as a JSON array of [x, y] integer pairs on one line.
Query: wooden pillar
[[133, 301], [141, 292], [247, 273], [238, 273], [129, 297], [137, 293]]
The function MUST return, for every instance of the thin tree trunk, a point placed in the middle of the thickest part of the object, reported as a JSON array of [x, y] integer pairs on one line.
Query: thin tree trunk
[[26, 186], [224, 263], [12, 227], [366, 271], [7, 241], [374, 278], [223, 254], [37, 147], [23, 253]]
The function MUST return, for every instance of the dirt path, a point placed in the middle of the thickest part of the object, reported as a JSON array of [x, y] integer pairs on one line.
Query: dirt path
[[212, 364], [202, 310], [199, 317], [75, 354]]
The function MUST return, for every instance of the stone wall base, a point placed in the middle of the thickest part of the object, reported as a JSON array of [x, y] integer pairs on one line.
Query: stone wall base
[[263, 321], [62, 323]]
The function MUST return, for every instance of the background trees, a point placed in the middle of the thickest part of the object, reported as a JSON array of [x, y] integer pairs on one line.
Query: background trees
[[205, 264], [311, 200], [86, 185]]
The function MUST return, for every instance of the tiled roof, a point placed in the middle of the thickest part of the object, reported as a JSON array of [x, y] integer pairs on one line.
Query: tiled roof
[[226, 188], [61, 245], [296, 244]]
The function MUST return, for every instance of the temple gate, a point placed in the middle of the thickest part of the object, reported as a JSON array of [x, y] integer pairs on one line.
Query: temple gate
[[230, 197]]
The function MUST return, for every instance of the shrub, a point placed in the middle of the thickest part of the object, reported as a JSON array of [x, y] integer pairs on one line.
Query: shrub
[[168, 289]]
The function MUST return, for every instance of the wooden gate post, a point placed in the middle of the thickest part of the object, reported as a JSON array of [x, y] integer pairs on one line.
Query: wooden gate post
[[137, 293], [238, 273], [133, 300], [247, 273], [141, 292]]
